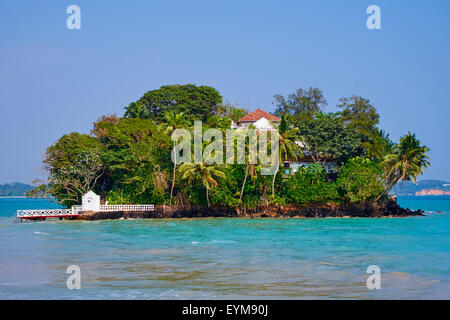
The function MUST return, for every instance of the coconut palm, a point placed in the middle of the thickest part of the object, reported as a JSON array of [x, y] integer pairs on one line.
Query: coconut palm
[[287, 148], [174, 121], [408, 161], [135, 110], [249, 167], [379, 145], [201, 172]]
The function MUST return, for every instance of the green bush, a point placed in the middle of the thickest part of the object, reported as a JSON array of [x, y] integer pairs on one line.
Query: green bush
[[309, 185], [361, 180], [278, 200]]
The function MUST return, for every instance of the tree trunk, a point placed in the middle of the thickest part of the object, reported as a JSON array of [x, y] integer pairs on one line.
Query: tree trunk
[[273, 182], [207, 197], [243, 183], [173, 179], [387, 190]]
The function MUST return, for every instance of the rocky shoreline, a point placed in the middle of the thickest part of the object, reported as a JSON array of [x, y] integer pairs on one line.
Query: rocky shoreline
[[389, 208]]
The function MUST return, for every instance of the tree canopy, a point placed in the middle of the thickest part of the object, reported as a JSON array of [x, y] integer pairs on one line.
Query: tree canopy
[[361, 116], [326, 136], [301, 105], [196, 102]]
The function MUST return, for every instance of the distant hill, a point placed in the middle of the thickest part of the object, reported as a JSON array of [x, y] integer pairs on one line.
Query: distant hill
[[423, 187], [14, 189]]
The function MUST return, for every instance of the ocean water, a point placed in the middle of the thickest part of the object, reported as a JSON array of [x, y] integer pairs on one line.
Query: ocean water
[[226, 258]]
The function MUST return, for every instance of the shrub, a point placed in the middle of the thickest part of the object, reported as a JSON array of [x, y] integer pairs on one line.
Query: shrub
[[361, 180], [309, 185]]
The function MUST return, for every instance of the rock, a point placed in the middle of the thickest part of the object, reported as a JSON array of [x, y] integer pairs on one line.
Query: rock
[[389, 208]]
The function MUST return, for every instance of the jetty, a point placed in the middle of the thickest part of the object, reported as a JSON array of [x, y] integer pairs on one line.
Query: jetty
[[90, 204]]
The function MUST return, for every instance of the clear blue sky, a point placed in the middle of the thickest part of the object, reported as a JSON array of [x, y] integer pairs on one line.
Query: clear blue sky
[[54, 80]]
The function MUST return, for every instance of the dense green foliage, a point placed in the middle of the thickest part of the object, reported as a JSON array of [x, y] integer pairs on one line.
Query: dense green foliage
[[361, 180], [196, 102], [301, 105], [137, 155], [309, 185], [361, 117], [129, 159], [326, 136], [74, 166], [229, 112]]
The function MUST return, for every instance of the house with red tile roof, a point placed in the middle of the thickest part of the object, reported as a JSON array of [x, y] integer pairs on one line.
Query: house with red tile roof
[[263, 120], [260, 119]]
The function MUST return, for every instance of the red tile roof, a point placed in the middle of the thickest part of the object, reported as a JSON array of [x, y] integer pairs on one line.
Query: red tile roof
[[258, 114]]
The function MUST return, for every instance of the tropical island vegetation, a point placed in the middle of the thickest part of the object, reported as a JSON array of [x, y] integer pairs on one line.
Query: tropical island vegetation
[[127, 159]]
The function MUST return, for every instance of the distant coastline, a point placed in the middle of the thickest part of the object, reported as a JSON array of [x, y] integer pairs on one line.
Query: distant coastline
[[14, 189], [14, 197], [432, 192], [422, 188]]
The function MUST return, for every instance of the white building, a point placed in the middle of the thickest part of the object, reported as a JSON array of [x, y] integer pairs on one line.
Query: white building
[[90, 202], [262, 120], [259, 119]]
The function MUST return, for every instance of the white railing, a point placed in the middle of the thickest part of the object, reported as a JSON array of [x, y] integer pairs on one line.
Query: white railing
[[75, 210], [128, 207], [45, 213]]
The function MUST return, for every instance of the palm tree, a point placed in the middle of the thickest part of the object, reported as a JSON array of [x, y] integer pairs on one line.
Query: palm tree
[[287, 148], [408, 161], [379, 145], [135, 110], [201, 172], [249, 167], [174, 121]]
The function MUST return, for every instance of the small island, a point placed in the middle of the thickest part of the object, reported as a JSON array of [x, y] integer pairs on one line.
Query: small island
[[329, 164]]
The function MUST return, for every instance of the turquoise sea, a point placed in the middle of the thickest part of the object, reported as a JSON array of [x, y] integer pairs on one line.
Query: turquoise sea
[[223, 258]]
